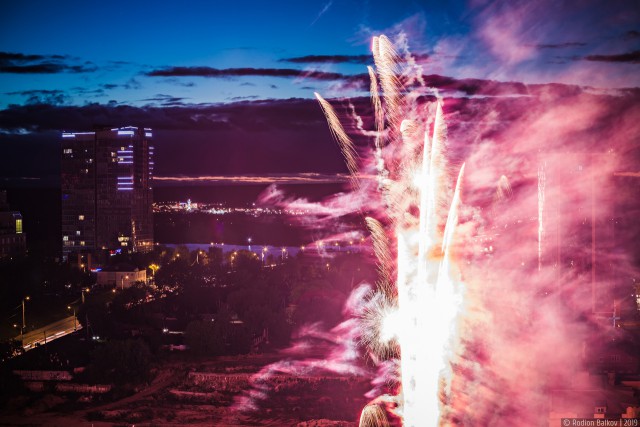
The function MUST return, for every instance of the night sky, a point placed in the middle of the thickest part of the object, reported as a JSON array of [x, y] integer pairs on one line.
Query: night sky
[[228, 87]]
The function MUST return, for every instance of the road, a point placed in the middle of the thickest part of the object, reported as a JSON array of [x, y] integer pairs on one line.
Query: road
[[50, 332]]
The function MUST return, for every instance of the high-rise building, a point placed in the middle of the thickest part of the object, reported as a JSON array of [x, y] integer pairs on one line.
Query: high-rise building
[[107, 191]]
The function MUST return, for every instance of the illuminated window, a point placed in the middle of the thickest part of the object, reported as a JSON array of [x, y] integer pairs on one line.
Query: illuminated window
[[77, 232], [81, 242], [65, 238], [18, 226], [81, 217], [67, 151]]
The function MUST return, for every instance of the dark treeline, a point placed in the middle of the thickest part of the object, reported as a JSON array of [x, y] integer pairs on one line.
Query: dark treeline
[[205, 303]]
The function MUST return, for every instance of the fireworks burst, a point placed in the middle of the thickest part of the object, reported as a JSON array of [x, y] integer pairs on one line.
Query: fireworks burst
[[471, 292], [425, 292]]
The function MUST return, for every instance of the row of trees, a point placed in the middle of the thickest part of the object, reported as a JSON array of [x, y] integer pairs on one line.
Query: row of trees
[[225, 303]]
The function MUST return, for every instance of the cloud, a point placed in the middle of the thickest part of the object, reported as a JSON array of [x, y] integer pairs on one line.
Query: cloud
[[239, 116], [178, 82], [21, 57], [340, 59], [132, 83], [560, 45], [243, 98], [166, 100], [330, 59], [34, 92], [47, 111], [18, 63], [630, 57], [279, 136], [502, 27], [95, 93], [52, 97], [245, 72]]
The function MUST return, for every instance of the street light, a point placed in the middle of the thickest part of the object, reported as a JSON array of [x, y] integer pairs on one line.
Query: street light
[[83, 291], [27, 298], [75, 326], [153, 267], [86, 312]]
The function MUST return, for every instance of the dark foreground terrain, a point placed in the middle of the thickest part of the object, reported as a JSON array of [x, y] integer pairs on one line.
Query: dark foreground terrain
[[201, 393]]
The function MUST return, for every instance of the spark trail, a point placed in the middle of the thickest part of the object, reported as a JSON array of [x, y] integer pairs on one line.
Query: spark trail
[[426, 294], [541, 198]]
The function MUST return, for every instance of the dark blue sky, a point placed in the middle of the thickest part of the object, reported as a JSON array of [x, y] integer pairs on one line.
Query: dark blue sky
[[214, 74], [114, 44], [104, 51]]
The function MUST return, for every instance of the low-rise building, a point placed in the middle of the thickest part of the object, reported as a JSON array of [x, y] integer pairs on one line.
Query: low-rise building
[[121, 276]]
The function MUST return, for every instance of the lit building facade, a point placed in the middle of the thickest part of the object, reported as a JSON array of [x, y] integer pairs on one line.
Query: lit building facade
[[121, 276], [13, 241], [107, 191]]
